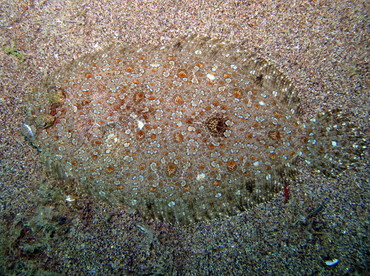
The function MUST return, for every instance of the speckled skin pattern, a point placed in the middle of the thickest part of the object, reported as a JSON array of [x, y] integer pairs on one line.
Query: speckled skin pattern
[[194, 130]]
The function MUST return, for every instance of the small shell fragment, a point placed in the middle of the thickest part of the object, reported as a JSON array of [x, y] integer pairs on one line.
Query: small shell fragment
[[70, 198], [332, 262], [28, 131]]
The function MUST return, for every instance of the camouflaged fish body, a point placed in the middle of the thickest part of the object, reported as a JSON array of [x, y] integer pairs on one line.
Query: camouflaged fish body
[[194, 130]]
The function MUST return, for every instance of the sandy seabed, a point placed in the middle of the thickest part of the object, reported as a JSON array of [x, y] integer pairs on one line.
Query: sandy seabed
[[323, 46]]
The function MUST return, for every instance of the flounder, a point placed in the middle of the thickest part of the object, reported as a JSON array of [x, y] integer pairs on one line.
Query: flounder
[[193, 130]]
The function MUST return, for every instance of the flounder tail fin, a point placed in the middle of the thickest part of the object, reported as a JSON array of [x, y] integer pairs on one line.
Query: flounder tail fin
[[334, 143]]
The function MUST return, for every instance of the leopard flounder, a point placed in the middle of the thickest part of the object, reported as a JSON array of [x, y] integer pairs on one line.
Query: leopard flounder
[[193, 130]]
